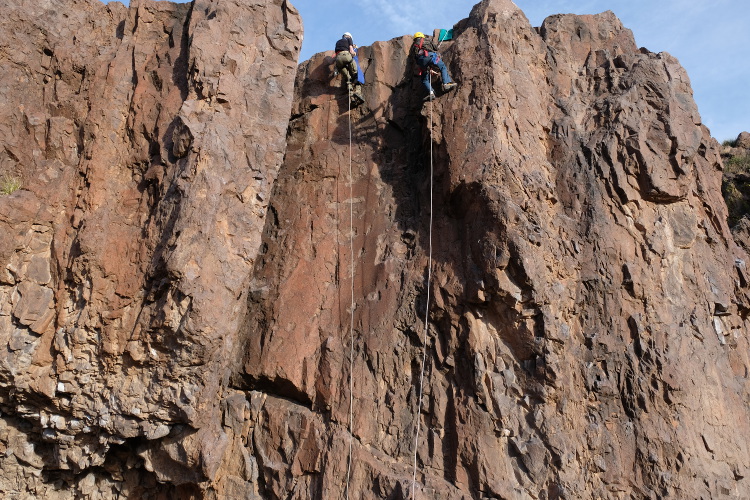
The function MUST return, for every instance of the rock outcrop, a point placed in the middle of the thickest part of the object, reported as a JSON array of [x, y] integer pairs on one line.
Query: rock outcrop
[[179, 288], [147, 163], [736, 186]]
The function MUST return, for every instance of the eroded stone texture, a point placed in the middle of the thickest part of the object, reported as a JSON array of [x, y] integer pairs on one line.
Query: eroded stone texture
[[736, 186], [588, 333], [743, 140], [587, 305], [147, 139]]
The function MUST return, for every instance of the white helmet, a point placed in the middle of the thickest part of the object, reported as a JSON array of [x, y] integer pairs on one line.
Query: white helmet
[[347, 35]]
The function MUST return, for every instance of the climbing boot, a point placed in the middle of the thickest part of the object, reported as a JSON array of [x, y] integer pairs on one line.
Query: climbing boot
[[357, 99], [429, 97], [449, 86]]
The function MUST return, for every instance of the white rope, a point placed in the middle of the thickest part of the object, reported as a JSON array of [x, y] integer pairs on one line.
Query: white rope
[[426, 316], [351, 305]]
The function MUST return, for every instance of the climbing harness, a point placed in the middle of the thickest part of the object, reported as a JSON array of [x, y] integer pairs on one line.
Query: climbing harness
[[425, 59], [351, 305], [426, 316]]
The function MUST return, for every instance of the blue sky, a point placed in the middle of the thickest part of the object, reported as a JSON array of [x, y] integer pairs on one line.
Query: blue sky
[[711, 38]]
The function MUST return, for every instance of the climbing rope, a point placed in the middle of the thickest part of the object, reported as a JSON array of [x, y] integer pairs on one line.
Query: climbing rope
[[426, 316], [351, 305]]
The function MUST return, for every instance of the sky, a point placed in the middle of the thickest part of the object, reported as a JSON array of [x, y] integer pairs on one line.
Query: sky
[[711, 38]]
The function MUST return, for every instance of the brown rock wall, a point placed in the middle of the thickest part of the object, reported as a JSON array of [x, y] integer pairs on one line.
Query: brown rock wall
[[587, 336], [175, 291], [146, 169]]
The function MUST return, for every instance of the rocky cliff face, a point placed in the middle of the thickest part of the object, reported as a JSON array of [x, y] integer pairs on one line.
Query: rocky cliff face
[[736, 186], [147, 139], [176, 300]]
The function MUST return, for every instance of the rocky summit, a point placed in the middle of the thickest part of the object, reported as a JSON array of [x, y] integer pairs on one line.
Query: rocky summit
[[219, 281]]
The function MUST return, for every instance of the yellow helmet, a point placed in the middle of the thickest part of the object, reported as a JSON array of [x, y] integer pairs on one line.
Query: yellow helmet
[[418, 34]]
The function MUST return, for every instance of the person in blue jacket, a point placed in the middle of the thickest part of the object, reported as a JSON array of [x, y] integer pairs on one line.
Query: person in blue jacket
[[426, 56]]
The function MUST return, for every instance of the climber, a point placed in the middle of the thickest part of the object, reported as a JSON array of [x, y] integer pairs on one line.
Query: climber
[[426, 56], [346, 52]]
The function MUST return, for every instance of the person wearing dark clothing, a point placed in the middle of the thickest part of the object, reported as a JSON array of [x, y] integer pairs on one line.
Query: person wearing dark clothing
[[345, 52], [344, 44], [426, 56]]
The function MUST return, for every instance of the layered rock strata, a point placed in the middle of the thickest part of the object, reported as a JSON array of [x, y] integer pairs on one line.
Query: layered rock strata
[[176, 295]]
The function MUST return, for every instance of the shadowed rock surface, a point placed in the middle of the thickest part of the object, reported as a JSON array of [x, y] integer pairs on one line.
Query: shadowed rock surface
[[736, 186], [175, 296]]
